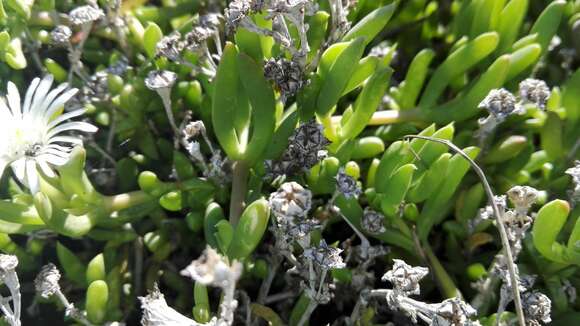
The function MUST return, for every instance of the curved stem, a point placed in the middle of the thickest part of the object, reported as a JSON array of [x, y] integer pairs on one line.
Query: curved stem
[[309, 310], [503, 234], [443, 279]]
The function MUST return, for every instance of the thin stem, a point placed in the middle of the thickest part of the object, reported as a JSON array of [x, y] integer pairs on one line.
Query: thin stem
[[239, 187], [33, 49], [573, 150], [138, 264], [267, 283], [312, 304], [364, 241], [386, 117], [500, 226], [228, 305], [165, 94], [443, 279], [7, 310], [279, 297], [72, 310]]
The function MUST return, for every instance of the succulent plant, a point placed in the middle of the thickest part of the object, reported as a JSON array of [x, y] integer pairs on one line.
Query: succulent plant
[[261, 161]]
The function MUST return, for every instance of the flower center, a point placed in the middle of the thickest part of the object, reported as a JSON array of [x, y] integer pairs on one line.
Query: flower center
[[26, 141], [33, 150]]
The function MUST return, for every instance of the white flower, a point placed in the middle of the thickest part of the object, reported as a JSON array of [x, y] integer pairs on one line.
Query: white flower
[[30, 132]]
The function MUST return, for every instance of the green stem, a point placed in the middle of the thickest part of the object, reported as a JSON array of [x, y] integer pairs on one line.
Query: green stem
[[444, 281], [239, 187], [387, 117]]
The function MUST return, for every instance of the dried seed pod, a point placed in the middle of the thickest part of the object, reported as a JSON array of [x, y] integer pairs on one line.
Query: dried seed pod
[[160, 79], [534, 91], [85, 14], [500, 103], [290, 201], [347, 185], [46, 282], [60, 35], [324, 256], [170, 47], [537, 307], [372, 221], [405, 278]]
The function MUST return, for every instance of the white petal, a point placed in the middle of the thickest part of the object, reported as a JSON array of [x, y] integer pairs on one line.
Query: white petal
[[48, 100], [46, 169], [32, 176], [19, 168], [65, 149], [29, 93], [65, 139], [13, 97], [55, 152], [5, 112], [53, 159], [40, 94], [75, 125], [66, 116], [59, 102]]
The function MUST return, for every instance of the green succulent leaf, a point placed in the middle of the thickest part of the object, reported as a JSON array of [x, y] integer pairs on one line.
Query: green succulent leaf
[[151, 37], [73, 267], [250, 229], [456, 64], [547, 226], [335, 82], [366, 103], [372, 24], [96, 301]]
